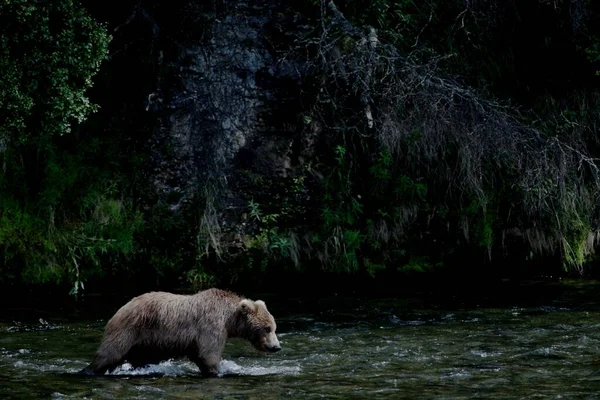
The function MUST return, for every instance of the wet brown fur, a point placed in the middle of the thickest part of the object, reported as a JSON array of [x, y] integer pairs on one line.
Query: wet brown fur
[[157, 326]]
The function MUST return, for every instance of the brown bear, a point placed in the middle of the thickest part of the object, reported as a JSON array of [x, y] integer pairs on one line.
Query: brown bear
[[157, 326]]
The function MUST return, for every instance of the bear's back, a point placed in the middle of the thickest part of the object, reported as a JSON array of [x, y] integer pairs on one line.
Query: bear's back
[[168, 311]]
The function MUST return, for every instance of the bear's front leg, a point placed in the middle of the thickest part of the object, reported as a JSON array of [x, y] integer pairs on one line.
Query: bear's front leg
[[209, 366]]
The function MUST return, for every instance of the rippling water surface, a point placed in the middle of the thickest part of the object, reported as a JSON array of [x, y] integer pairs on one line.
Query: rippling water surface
[[341, 348]]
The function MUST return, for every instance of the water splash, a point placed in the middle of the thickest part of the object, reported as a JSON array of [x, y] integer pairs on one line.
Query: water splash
[[184, 368], [165, 368], [231, 368], [43, 325]]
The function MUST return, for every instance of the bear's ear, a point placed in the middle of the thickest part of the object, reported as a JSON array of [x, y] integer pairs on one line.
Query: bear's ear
[[261, 303], [246, 306]]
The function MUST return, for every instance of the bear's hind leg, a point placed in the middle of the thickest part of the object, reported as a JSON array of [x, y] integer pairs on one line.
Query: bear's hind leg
[[109, 356], [101, 364]]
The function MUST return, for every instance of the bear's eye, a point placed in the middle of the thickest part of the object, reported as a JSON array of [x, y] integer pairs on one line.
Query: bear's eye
[[268, 329]]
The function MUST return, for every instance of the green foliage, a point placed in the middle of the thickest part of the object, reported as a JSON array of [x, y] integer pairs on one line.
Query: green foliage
[[341, 215], [593, 53], [49, 52], [456, 167], [269, 241], [199, 279], [381, 170], [254, 210], [426, 181], [577, 243], [418, 264], [351, 233], [478, 217], [38, 251], [373, 268], [60, 217], [408, 190], [425, 184]]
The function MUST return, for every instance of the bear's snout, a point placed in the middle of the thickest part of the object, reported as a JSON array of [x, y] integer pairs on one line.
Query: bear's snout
[[271, 343], [273, 349]]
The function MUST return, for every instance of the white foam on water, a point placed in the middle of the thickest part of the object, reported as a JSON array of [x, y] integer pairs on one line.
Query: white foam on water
[[57, 365], [380, 364], [20, 359], [166, 368], [460, 374], [228, 367], [144, 388], [485, 354]]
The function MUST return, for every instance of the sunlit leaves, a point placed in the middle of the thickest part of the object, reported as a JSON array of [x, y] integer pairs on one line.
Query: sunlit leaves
[[49, 52]]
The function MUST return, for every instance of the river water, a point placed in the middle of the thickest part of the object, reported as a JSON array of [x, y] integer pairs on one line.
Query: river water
[[343, 348]]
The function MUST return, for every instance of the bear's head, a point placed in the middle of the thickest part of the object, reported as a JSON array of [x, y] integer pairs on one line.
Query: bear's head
[[258, 325]]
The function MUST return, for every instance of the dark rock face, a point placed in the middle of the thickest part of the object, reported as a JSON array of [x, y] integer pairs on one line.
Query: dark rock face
[[229, 103]]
